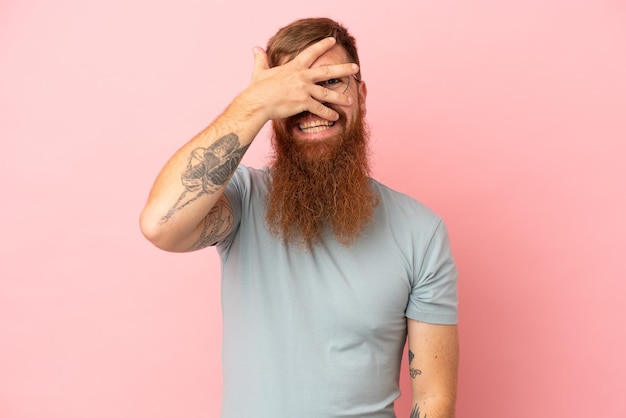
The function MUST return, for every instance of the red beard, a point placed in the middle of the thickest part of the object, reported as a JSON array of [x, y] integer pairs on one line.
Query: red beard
[[320, 184]]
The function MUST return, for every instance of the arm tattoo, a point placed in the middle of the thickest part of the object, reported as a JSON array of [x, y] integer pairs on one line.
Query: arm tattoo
[[413, 372], [217, 224], [208, 169], [415, 412]]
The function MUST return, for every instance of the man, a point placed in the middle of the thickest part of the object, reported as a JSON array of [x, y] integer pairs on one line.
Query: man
[[324, 270]]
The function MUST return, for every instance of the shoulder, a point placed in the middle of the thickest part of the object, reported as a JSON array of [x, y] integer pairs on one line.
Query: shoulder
[[401, 205], [246, 172], [247, 178]]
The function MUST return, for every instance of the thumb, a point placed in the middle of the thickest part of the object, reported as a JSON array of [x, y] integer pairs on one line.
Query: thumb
[[260, 58]]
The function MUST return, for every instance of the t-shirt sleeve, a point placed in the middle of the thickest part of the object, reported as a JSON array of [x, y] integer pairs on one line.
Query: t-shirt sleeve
[[433, 297]]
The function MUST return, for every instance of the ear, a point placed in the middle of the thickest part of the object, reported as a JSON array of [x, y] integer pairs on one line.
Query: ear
[[362, 88]]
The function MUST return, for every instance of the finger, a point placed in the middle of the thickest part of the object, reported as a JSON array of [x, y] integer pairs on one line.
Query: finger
[[313, 52], [322, 111], [324, 95], [326, 72], [260, 58]]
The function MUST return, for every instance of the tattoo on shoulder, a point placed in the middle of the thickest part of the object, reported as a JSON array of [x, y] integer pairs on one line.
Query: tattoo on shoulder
[[208, 169], [415, 412], [217, 225], [412, 371]]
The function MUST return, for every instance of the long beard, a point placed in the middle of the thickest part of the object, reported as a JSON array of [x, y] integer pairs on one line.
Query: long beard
[[320, 184]]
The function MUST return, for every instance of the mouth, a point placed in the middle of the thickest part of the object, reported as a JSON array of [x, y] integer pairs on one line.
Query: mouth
[[315, 126]]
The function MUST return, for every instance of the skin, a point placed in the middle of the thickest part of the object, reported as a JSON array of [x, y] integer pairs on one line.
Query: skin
[[433, 368], [186, 209]]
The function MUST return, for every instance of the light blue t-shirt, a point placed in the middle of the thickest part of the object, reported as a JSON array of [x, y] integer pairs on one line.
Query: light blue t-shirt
[[320, 333]]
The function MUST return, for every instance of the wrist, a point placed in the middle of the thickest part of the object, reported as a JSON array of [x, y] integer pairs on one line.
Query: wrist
[[248, 106]]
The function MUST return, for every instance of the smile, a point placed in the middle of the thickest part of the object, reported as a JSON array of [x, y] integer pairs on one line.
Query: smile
[[315, 126]]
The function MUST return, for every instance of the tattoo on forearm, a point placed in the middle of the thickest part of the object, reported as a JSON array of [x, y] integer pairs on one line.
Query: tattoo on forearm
[[412, 371], [207, 170], [216, 225], [415, 412]]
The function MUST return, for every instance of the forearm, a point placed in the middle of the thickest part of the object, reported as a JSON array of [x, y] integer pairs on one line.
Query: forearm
[[441, 407], [193, 180]]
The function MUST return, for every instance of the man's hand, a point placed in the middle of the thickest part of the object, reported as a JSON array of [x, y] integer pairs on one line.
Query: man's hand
[[289, 89]]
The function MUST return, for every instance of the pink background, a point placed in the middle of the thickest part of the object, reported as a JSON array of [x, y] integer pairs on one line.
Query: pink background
[[506, 117]]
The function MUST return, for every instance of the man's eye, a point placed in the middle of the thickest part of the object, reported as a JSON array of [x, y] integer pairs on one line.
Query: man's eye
[[332, 84]]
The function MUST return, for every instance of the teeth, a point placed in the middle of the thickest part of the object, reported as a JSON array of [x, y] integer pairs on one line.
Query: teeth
[[315, 126], [314, 129]]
